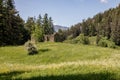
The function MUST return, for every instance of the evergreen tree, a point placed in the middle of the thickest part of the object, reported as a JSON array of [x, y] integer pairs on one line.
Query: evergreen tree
[[92, 30], [39, 21], [50, 26], [85, 28], [30, 24], [39, 33], [45, 24], [12, 26]]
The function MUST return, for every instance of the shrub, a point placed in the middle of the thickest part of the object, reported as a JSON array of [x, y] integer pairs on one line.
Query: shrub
[[111, 44], [70, 37], [98, 38], [92, 40], [102, 43], [82, 39], [59, 37], [31, 48]]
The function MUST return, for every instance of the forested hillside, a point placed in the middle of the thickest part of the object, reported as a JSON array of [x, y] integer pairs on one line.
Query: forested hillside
[[106, 24]]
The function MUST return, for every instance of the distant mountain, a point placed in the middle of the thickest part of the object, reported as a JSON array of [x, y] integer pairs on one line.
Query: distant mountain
[[57, 27]]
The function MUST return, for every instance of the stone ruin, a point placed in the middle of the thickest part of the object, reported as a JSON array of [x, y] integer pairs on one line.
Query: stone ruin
[[50, 38]]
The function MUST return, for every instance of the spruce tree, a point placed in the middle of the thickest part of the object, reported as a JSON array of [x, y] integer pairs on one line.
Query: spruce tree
[[12, 26], [45, 24], [39, 21], [50, 26], [39, 34], [85, 29], [30, 25]]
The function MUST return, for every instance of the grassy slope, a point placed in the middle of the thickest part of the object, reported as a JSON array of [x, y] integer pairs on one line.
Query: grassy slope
[[60, 61]]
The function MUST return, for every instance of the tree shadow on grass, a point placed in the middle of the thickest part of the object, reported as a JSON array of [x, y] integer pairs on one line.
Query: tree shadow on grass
[[9, 75], [89, 76], [44, 50]]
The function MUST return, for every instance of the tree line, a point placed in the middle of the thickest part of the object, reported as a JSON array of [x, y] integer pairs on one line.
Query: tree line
[[106, 24], [38, 27], [14, 30]]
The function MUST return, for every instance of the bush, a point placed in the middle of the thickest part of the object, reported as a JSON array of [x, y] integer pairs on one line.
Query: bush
[[102, 43], [70, 37], [82, 39], [111, 44], [98, 38], [31, 48], [59, 37], [106, 43]]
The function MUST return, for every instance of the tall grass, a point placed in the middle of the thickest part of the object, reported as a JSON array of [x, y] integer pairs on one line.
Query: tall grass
[[60, 61]]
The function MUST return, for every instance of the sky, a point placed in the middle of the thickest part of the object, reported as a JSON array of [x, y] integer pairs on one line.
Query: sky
[[64, 12]]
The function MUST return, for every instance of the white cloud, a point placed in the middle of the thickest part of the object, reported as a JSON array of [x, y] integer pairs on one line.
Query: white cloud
[[104, 1]]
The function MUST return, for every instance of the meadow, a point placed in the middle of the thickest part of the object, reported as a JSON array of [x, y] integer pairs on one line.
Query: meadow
[[60, 61]]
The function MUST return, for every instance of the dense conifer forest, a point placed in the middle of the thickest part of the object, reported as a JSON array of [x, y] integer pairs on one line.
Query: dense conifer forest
[[15, 31], [106, 24]]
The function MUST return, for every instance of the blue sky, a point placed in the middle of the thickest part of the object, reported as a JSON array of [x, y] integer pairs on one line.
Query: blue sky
[[64, 12]]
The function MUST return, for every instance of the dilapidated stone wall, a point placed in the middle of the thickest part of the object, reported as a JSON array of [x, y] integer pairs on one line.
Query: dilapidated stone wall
[[50, 38]]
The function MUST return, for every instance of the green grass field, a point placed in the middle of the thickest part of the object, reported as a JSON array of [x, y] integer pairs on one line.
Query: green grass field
[[60, 61]]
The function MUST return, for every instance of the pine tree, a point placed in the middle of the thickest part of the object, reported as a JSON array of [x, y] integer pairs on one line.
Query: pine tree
[[108, 28], [30, 25], [21, 33], [39, 33], [9, 29], [45, 24], [51, 26], [92, 30], [85, 29], [12, 26], [39, 21]]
